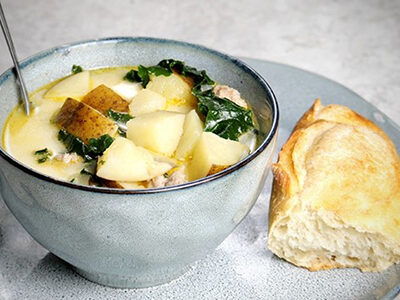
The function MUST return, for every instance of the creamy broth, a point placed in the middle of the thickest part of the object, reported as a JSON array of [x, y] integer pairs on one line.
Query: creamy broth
[[178, 159], [24, 135]]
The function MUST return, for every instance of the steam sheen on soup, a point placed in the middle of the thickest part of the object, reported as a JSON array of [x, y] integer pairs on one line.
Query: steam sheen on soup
[[132, 127]]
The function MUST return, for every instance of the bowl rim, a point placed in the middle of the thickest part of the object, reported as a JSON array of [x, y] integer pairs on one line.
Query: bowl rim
[[242, 65]]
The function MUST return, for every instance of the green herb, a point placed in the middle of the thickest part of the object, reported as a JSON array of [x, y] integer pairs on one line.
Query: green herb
[[132, 76], [42, 151], [76, 69], [200, 78], [99, 145], [121, 132], [158, 71], [223, 117], [119, 117], [42, 160], [93, 178], [43, 155], [165, 175], [102, 162], [73, 144], [143, 74], [72, 180], [86, 172], [95, 148]]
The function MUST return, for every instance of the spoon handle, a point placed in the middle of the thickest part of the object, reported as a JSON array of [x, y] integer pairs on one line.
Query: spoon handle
[[10, 45]]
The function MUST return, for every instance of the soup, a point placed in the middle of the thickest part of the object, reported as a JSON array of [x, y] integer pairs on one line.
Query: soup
[[132, 127]]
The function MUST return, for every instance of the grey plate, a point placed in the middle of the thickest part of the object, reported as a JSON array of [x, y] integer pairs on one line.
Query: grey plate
[[242, 267]]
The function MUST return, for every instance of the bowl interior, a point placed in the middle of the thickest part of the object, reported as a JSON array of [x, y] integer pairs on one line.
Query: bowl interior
[[55, 63]]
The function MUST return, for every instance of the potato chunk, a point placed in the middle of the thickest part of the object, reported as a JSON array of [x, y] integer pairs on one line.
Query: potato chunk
[[124, 161], [213, 154], [74, 86], [181, 108], [114, 79], [127, 89], [192, 130], [147, 101], [176, 90], [108, 77], [103, 98], [83, 121], [132, 185], [158, 131]]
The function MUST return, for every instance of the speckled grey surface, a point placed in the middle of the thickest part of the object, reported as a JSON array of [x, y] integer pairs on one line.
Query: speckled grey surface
[[242, 267], [352, 42]]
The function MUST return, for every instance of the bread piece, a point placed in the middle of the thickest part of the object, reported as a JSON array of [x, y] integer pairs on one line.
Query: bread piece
[[336, 194]]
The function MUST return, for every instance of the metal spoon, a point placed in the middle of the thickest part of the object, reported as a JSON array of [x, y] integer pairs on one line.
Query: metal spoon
[[10, 45]]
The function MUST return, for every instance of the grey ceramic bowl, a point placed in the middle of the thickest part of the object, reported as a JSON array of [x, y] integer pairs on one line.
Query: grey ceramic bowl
[[136, 238]]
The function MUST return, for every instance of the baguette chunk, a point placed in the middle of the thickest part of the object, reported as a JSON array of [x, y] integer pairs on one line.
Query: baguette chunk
[[336, 194]]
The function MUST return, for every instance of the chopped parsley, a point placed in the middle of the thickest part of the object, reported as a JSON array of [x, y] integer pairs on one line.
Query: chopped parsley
[[93, 178], [43, 155], [76, 69], [86, 172]]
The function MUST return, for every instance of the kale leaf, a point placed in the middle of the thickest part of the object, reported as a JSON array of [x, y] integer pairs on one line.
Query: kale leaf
[[43, 155], [76, 69], [199, 77], [158, 71], [97, 146], [224, 117], [132, 76], [73, 144], [143, 74], [119, 117], [93, 178], [89, 152]]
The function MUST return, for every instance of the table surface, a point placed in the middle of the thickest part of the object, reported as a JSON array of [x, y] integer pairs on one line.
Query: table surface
[[352, 42]]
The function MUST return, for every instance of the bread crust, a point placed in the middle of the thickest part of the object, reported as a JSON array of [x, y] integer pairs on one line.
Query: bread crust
[[318, 130]]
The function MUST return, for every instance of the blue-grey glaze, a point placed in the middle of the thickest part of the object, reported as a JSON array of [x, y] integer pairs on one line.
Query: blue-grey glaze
[[136, 238]]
